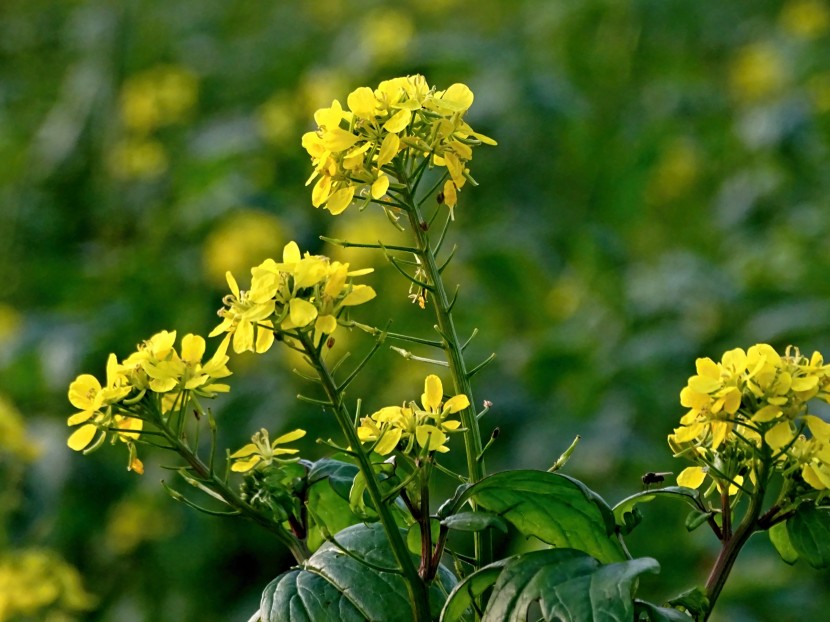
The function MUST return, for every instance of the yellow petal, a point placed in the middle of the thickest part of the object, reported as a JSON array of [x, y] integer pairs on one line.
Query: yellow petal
[[455, 404], [291, 253], [398, 121], [84, 392], [82, 437], [388, 149], [340, 200], [388, 441], [450, 194], [779, 435], [241, 466], [193, 348], [380, 186], [433, 393], [301, 312], [326, 324], [264, 339], [243, 337], [246, 450], [288, 437], [691, 477], [362, 102], [80, 417], [358, 295], [430, 437]]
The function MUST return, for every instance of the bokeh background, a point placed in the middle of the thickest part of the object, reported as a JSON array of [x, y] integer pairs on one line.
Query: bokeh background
[[660, 192]]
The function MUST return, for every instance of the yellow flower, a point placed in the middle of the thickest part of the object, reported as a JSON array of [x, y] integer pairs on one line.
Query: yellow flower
[[262, 452], [425, 427], [303, 292], [351, 151]]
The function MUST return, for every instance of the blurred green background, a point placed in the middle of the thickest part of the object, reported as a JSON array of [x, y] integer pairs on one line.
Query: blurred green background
[[660, 192]]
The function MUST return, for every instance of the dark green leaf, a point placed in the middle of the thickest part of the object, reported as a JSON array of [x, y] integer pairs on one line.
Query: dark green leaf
[[333, 586], [695, 519], [780, 538], [557, 509], [809, 532], [474, 521], [567, 584], [693, 600], [340, 475]]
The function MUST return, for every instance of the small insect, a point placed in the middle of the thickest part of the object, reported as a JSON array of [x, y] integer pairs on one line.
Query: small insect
[[654, 478], [423, 225], [330, 342], [440, 198]]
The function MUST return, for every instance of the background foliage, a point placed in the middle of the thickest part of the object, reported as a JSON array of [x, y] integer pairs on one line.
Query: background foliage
[[659, 193]]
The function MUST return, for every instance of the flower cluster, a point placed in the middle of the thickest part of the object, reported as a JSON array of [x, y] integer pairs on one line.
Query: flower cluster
[[302, 293], [751, 407], [353, 150], [154, 369], [404, 427]]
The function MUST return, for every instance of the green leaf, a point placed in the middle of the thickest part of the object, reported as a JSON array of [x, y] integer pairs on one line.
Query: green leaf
[[557, 509], [333, 586], [328, 513], [809, 532], [695, 519], [340, 475], [693, 600], [474, 521], [780, 538], [653, 613], [567, 584]]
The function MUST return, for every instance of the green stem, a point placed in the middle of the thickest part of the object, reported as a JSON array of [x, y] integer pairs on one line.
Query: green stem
[[733, 542], [453, 348], [417, 589]]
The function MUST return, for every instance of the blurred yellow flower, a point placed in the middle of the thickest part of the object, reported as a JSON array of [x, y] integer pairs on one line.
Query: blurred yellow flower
[[156, 97], [806, 19], [276, 119], [243, 239], [758, 71], [37, 584], [676, 172], [13, 440], [137, 158], [11, 322], [386, 33]]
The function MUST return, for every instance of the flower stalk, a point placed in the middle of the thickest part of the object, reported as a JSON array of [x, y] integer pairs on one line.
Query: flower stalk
[[417, 589]]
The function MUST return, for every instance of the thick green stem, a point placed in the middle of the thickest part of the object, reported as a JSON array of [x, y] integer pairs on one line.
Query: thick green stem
[[733, 542], [417, 589], [453, 348]]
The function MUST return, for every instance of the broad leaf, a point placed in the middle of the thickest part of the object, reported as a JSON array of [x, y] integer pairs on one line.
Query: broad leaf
[[334, 586], [566, 584], [557, 509], [809, 532], [329, 483]]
